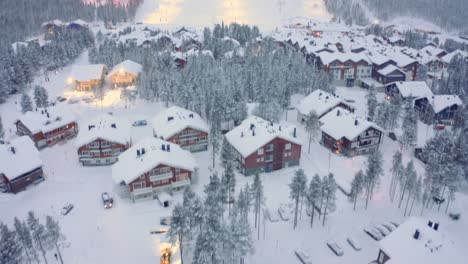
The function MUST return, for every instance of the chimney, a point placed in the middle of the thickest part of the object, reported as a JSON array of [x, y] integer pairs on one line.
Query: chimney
[[13, 150], [47, 115], [356, 122], [42, 111], [252, 126], [337, 112], [168, 148], [170, 118], [242, 134], [294, 133], [113, 126], [416, 234], [430, 224], [163, 147], [253, 132], [143, 151], [436, 226], [279, 128], [138, 153], [90, 127], [191, 115]]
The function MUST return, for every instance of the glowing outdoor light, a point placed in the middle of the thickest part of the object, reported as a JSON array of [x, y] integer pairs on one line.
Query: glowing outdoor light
[[69, 80], [121, 70], [376, 21]]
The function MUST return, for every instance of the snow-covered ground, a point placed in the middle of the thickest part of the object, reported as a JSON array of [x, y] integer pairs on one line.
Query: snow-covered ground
[[121, 234], [266, 14]]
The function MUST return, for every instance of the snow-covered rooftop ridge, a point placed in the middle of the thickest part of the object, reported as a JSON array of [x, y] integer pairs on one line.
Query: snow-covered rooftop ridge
[[128, 66], [56, 22], [87, 72], [340, 123], [105, 127], [255, 132], [327, 58], [131, 166], [319, 101], [432, 247], [175, 119], [449, 56], [47, 119], [413, 89], [389, 69], [442, 101], [18, 157]]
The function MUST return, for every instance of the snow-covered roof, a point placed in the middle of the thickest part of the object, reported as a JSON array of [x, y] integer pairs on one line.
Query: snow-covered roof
[[130, 166], [47, 119], [432, 247], [431, 50], [87, 72], [233, 41], [389, 69], [327, 58], [56, 22], [319, 101], [340, 123], [255, 132], [440, 102], [448, 57], [378, 58], [78, 22], [104, 127], [413, 89], [18, 157], [394, 39], [128, 66], [175, 119]]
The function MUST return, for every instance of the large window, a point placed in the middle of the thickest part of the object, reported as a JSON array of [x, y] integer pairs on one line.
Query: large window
[[138, 185], [269, 158], [288, 146], [260, 151], [269, 147]]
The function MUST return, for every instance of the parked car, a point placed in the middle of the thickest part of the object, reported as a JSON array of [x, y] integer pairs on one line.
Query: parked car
[[353, 243], [392, 136], [166, 220], [335, 248], [159, 231], [376, 235], [384, 231], [73, 101], [141, 122], [107, 200], [61, 99], [303, 257], [284, 212], [67, 208]]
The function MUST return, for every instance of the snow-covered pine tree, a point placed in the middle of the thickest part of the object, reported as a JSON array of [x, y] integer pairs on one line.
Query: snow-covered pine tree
[[417, 192], [382, 116], [373, 172], [241, 235], [314, 196], [215, 136], [312, 126], [39, 234], [407, 181], [357, 186], [44, 97], [394, 113], [269, 110], [24, 236], [11, 250], [229, 185], [297, 191], [244, 200], [38, 96], [421, 73], [54, 235], [412, 180], [26, 103], [180, 228], [227, 152], [257, 196], [371, 103], [329, 195], [397, 170], [2, 131], [410, 128]]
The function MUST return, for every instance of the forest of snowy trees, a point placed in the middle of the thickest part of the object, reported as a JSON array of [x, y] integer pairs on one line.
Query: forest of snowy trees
[[258, 71]]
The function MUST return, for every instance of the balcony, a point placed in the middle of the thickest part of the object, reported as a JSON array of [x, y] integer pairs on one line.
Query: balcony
[[160, 177], [142, 190], [181, 183]]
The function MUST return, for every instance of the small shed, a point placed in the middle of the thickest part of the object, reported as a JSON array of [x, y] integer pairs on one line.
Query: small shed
[[165, 199]]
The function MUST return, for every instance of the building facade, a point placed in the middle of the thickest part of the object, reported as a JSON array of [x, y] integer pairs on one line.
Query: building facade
[[366, 143], [101, 152]]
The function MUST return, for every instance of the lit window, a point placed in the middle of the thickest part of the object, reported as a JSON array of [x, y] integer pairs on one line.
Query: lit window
[[260, 151], [288, 146]]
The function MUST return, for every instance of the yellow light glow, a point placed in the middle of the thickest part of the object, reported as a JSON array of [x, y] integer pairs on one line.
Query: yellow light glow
[[121, 70], [376, 21], [70, 80]]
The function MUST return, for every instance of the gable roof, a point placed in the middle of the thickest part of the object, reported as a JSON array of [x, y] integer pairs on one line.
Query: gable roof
[[47, 119], [129, 166], [175, 119], [245, 142], [340, 123], [441, 102], [128, 66], [413, 89], [104, 127], [328, 58], [432, 247], [24, 158], [389, 69], [319, 101], [87, 72]]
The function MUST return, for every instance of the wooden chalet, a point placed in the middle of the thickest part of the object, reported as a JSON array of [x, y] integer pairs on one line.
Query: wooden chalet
[[47, 127], [345, 133], [21, 165], [441, 109], [182, 127], [262, 146], [153, 166], [87, 77], [124, 74]]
